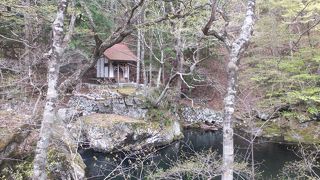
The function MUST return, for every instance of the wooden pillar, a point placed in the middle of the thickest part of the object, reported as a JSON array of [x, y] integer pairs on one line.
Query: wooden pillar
[[128, 67], [109, 69], [118, 73], [101, 68]]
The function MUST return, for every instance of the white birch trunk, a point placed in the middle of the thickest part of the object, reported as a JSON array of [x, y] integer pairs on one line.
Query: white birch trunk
[[150, 74], [49, 114], [237, 49], [159, 76], [161, 69]]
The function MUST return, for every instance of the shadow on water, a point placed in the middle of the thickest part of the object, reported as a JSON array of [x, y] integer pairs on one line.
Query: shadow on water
[[270, 157]]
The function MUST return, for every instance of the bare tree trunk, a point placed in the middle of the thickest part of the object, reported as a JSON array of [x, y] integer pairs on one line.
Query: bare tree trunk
[[163, 75], [179, 54], [28, 60], [49, 114], [166, 88], [237, 49], [28, 34], [139, 56], [160, 44], [159, 76], [143, 65], [150, 63], [176, 30]]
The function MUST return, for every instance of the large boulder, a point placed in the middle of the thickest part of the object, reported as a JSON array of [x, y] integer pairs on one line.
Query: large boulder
[[111, 132]]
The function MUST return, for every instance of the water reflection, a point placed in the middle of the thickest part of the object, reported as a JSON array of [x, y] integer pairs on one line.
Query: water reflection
[[270, 156]]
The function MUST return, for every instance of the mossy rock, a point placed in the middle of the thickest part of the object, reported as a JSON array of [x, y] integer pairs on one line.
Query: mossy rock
[[111, 132], [307, 135], [58, 166]]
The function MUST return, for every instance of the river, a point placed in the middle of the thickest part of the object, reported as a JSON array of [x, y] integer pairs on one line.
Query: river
[[269, 157]]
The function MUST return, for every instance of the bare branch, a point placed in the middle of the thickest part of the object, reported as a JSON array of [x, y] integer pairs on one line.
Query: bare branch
[[69, 34], [16, 40], [306, 31], [222, 36]]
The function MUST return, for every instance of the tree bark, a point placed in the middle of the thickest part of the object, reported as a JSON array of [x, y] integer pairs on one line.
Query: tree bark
[[159, 76], [28, 35], [49, 114], [142, 55], [237, 49], [143, 65], [179, 54], [150, 72], [139, 56], [178, 45]]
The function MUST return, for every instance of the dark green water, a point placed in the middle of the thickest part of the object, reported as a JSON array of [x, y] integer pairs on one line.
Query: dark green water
[[270, 157]]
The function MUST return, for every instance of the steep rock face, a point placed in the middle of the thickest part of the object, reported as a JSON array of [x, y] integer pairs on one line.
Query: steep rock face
[[128, 106], [199, 115], [110, 132]]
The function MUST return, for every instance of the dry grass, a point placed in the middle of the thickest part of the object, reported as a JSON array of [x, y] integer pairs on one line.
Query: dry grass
[[126, 90], [102, 89], [10, 121]]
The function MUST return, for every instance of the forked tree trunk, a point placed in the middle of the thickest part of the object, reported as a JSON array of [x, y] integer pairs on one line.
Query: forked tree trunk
[[237, 49], [49, 114]]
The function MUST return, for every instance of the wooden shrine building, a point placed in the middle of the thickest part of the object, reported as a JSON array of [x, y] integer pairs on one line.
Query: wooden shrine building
[[115, 64]]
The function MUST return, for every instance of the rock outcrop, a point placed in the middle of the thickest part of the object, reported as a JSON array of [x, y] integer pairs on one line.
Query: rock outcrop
[[64, 162], [126, 106], [199, 115], [111, 132]]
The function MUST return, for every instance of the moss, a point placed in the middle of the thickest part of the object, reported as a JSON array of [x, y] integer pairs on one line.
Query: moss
[[19, 170], [180, 136], [307, 135], [58, 165], [272, 129], [160, 115], [141, 125]]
